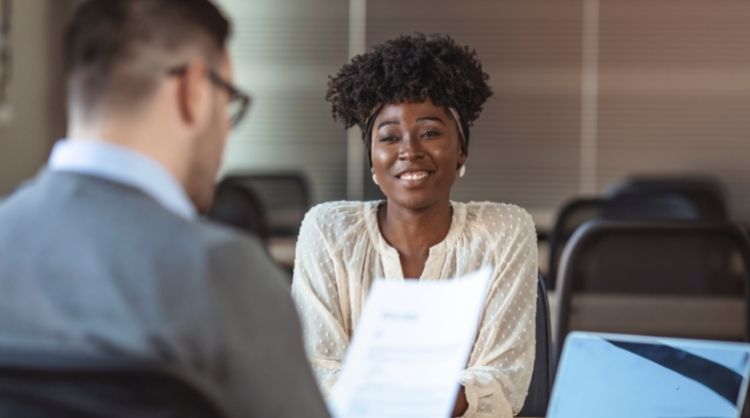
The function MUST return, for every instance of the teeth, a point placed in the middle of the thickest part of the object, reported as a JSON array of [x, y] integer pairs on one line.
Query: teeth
[[415, 175]]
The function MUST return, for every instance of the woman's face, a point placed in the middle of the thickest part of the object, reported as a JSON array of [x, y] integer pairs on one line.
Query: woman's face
[[416, 150]]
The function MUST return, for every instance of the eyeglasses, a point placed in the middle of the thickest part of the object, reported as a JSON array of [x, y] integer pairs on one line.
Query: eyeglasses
[[239, 101]]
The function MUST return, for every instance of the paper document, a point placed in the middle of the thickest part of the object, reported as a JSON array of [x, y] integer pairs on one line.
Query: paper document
[[411, 343]]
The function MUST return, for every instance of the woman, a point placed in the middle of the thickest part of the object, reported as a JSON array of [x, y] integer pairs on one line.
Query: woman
[[414, 98]]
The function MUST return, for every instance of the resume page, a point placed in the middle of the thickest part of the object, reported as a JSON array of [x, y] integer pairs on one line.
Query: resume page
[[411, 343]]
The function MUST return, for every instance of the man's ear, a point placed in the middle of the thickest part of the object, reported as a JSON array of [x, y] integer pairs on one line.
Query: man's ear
[[191, 92]]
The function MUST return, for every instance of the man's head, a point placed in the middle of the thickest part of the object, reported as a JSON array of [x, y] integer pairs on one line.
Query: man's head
[[153, 75]]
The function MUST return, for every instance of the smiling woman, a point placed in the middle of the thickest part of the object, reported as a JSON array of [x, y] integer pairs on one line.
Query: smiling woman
[[415, 97]]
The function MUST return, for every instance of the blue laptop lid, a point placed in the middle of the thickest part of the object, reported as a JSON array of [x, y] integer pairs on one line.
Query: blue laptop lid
[[621, 376]]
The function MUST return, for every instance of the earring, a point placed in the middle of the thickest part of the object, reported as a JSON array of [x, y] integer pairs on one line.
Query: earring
[[375, 179], [462, 170]]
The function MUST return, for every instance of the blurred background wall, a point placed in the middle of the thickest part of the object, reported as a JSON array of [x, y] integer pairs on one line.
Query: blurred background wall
[[35, 93], [586, 91], [284, 51]]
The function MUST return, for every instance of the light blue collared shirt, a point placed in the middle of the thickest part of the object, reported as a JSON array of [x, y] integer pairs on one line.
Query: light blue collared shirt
[[120, 164]]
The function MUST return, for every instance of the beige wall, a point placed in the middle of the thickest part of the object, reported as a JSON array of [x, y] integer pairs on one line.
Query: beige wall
[[666, 85], [35, 91], [283, 52]]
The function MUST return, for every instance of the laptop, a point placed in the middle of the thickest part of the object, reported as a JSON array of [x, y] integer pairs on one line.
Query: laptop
[[627, 376]]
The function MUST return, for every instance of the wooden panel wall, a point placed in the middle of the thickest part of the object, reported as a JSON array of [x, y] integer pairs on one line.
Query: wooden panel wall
[[525, 145]]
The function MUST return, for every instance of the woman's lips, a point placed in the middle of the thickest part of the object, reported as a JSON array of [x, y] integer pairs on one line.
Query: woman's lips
[[413, 179], [414, 175]]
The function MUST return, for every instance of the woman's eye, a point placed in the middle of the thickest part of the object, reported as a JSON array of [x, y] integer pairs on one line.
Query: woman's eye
[[388, 139], [430, 134]]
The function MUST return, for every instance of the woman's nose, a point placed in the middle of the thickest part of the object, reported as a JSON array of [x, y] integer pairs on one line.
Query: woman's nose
[[410, 148]]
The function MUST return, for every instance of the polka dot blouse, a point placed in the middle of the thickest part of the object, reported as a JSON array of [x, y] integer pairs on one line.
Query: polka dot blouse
[[340, 251]]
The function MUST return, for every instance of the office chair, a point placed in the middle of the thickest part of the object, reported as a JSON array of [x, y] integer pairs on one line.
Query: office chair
[[36, 385], [238, 206], [544, 365], [705, 193], [573, 214], [285, 196], [649, 206], [631, 202], [652, 258]]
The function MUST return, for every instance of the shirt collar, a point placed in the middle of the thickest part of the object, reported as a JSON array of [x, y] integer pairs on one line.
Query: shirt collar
[[122, 165]]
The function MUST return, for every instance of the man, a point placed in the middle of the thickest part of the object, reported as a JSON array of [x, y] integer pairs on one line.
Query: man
[[104, 253]]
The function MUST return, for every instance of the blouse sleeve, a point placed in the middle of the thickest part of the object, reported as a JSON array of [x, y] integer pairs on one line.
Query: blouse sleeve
[[501, 363], [315, 292]]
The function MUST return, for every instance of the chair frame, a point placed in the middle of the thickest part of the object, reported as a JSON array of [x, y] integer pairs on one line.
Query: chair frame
[[687, 186], [593, 229], [244, 177], [557, 238], [537, 399]]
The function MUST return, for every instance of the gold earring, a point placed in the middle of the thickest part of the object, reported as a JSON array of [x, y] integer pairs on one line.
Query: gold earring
[[462, 170]]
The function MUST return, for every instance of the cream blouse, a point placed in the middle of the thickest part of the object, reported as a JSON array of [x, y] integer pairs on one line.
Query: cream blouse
[[340, 251]]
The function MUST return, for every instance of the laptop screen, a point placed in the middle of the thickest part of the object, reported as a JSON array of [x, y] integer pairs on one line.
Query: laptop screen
[[617, 376]]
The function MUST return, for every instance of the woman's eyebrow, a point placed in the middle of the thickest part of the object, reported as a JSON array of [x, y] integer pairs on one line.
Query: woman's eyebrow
[[432, 118], [420, 119], [388, 122]]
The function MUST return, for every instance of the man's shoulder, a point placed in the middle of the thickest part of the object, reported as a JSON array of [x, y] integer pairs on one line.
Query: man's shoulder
[[21, 195], [214, 236], [94, 207]]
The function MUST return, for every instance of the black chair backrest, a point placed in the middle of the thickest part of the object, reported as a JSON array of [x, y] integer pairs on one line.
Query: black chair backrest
[[541, 378], [657, 206], [36, 385], [238, 206], [638, 199], [705, 193], [571, 216], [668, 258], [284, 195]]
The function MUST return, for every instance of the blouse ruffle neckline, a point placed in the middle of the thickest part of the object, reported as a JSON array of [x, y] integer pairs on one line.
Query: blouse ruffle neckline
[[370, 216]]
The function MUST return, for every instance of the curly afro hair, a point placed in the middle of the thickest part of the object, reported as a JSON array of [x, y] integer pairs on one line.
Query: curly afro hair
[[412, 69]]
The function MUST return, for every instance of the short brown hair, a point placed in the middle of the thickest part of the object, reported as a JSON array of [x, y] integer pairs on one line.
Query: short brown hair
[[116, 50]]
